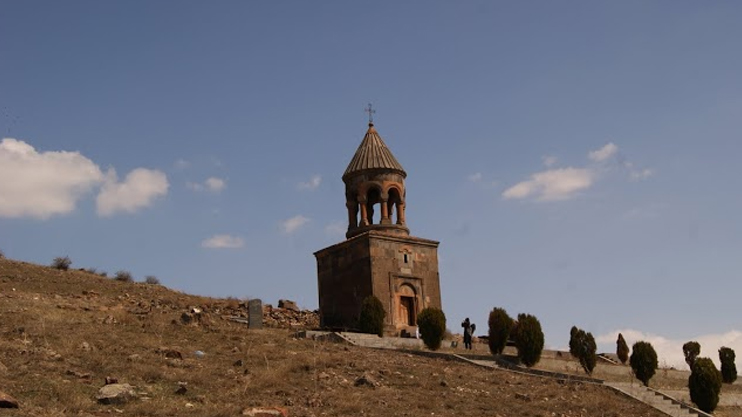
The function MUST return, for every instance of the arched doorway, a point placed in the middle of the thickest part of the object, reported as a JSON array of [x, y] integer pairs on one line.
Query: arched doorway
[[407, 311]]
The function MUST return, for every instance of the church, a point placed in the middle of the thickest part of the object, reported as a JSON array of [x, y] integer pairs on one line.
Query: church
[[379, 256]]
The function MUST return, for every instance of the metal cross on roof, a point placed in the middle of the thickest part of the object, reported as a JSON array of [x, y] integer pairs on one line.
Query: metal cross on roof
[[370, 112]]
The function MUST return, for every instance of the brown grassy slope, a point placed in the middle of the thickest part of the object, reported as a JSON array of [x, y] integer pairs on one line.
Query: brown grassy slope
[[62, 333]]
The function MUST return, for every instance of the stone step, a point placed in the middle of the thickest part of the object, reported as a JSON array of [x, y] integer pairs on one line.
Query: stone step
[[656, 400]]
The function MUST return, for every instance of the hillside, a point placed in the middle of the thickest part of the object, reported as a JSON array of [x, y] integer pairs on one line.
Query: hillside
[[65, 332]]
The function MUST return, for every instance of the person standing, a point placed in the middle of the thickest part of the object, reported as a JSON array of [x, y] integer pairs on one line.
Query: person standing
[[469, 328]]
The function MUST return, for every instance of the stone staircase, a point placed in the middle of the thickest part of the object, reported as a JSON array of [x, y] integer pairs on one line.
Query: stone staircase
[[656, 399], [374, 341]]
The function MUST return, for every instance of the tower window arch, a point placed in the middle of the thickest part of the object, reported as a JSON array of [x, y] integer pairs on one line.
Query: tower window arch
[[373, 205], [395, 205]]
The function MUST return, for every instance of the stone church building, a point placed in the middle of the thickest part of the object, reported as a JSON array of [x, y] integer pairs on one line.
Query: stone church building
[[379, 256]]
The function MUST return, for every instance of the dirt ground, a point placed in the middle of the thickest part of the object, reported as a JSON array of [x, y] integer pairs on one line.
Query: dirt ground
[[63, 332]]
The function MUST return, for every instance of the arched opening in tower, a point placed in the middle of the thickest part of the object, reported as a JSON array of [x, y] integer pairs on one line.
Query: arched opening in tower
[[373, 206], [394, 203]]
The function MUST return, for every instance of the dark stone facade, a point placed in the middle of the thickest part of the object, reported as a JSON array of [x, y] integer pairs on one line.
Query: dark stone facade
[[401, 271]]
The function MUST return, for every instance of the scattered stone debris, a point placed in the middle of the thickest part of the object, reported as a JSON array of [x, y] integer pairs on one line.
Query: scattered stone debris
[[524, 397], [80, 375], [111, 380], [170, 353], [367, 380], [6, 401], [287, 318], [265, 412], [116, 394], [288, 305], [181, 388]]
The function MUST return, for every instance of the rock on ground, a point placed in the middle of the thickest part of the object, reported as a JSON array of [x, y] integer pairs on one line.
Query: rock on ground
[[116, 394], [265, 412], [6, 401]]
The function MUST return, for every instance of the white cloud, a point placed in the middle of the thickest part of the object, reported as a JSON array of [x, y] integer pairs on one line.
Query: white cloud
[[42, 184], [669, 351], [138, 190], [641, 174], [336, 228], [603, 153], [293, 224], [223, 242], [475, 177], [552, 185], [549, 160], [212, 184], [215, 184], [312, 184]]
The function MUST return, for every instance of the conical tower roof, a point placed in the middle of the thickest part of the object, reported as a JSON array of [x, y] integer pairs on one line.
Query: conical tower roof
[[373, 153]]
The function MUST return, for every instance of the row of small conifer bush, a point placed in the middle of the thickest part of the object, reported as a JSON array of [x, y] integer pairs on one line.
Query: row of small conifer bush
[[704, 383], [525, 332], [63, 263]]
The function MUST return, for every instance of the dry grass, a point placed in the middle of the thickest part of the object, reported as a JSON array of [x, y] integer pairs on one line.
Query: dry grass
[[63, 332]]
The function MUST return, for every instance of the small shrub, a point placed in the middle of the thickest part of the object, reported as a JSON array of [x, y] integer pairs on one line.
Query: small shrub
[[151, 279], [643, 361], [123, 276], [103, 274], [704, 384], [529, 339], [2, 255], [62, 263], [500, 325], [432, 324], [372, 316], [728, 368], [91, 270], [582, 346], [622, 349], [573, 341], [691, 350]]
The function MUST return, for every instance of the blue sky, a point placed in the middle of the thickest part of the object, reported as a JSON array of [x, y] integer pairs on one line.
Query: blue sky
[[577, 160]]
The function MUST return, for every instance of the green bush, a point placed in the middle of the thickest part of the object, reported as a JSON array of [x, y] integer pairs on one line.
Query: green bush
[[529, 339], [573, 341], [728, 368], [151, 279], [123, 276], [500, 324], [622, 349], [372, 316], [691, 350], [432, 324], [582, 346], [704, 384], [643, 361], [62, 263]]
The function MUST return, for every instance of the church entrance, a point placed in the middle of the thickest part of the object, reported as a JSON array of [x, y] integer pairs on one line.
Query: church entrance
[[407, 311]]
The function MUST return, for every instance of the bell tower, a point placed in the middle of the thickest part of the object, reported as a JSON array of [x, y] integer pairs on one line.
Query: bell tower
[[374, 183], [379, 256]]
